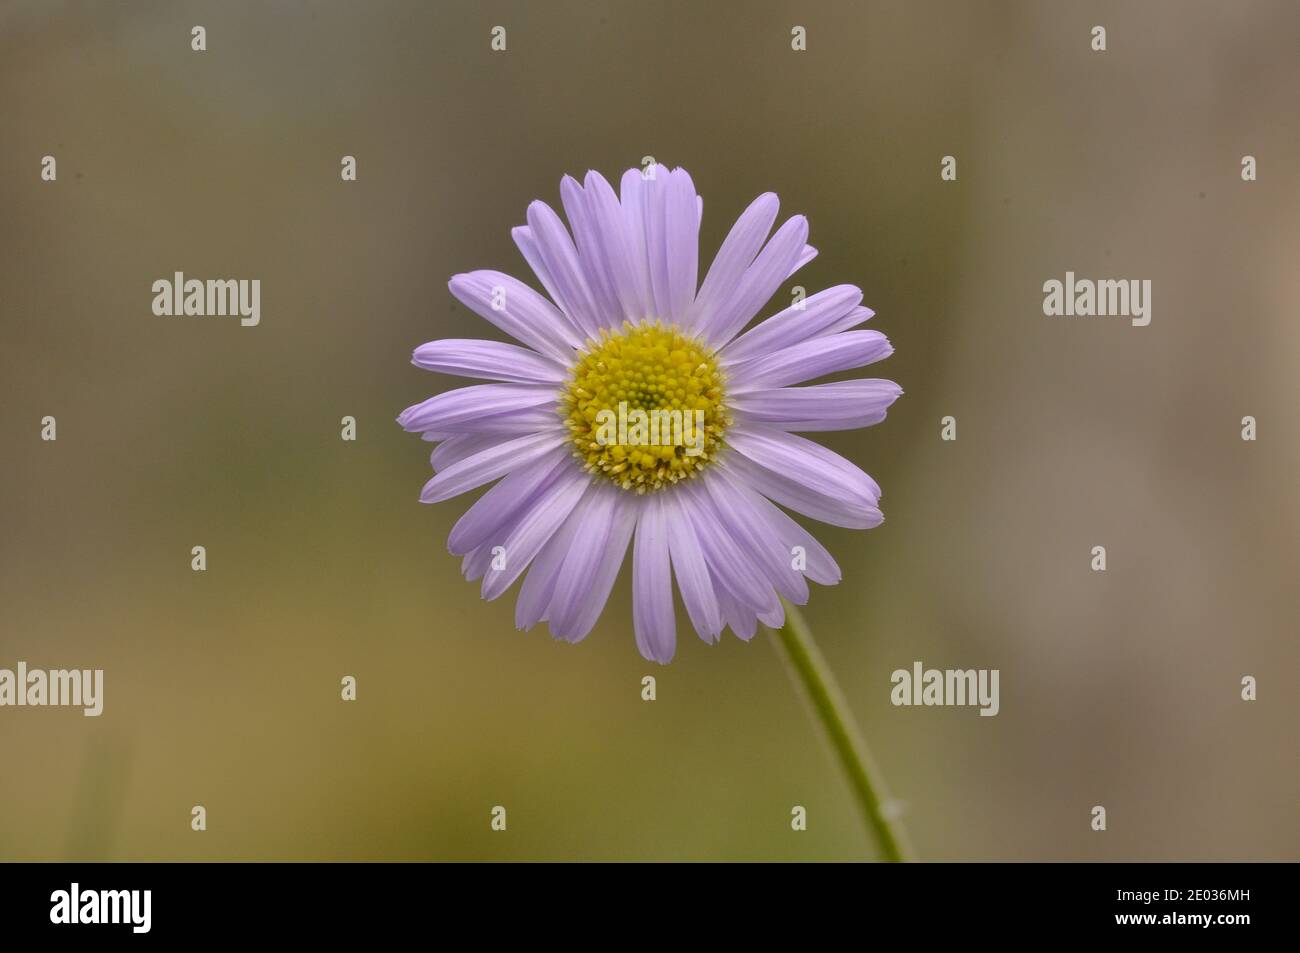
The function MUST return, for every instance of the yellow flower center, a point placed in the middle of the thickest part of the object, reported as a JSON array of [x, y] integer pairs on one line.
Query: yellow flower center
[[644, 406]]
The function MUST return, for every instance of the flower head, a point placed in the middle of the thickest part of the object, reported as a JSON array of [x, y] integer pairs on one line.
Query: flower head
[[633, 411]]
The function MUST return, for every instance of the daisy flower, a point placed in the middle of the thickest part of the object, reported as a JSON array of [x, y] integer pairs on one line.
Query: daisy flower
[[628, 338]]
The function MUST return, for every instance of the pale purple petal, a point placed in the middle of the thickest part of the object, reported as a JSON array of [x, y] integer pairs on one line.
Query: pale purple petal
[[790, 536], [796, 323], [789, 449], [692, 574], [632, 200], [579, 207], [652, 584], [682, 241], [815, 357], [784, 468], [654, 199], [561, 260], [487, 465], [747, 527], [845, 405], [539, 584], [759, 283], [805, 256], [742, 620], [526, 242], [592, 563], [624, 269], [602, 581], [491, 360], [797, 496], [447, 412], [727, 560], [490, 514], [850, 320], [738, 250], [508, 423], [519, 311], [459, 446], [476, 563], [593, 516], [533, 526]]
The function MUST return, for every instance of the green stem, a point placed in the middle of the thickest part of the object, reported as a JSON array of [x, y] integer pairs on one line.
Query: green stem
[[809, 669]]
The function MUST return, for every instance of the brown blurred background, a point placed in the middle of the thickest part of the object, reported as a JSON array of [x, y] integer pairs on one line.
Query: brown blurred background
[[222, 688]]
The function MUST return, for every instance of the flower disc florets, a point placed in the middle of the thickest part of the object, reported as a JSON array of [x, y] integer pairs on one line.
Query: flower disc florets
[[644, 406]]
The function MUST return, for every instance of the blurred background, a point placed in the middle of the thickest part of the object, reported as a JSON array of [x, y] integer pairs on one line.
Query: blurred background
[[222, 688]]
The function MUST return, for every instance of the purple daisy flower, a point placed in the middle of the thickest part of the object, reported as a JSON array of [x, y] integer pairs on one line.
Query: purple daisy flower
[[634, 411]]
